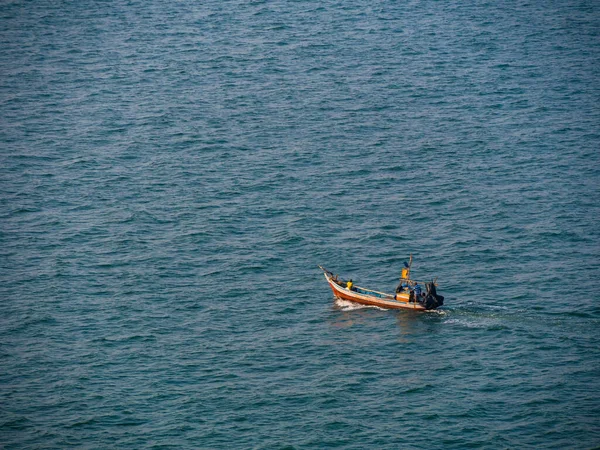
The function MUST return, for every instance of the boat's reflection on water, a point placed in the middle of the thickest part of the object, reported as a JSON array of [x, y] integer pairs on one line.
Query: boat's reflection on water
[[408, 323], [412, 325]]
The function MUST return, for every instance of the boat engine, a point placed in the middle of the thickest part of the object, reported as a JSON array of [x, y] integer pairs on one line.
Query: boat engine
[[432, 299]]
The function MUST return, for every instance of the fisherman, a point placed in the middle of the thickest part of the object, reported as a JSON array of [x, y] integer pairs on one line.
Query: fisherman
[[402, 286], [415, 293], [349, 285], [405, 271], [418, 290]]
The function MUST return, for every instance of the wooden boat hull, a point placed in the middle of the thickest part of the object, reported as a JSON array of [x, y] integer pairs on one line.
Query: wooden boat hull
[[385, 301]]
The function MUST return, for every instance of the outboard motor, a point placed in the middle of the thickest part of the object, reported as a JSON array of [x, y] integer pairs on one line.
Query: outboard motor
[[432, 299]]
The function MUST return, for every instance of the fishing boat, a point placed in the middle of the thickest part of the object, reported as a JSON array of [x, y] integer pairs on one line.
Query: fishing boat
[[408, 294]]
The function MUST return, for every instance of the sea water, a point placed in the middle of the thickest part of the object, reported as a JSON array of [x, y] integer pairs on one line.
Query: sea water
[[172, 173]]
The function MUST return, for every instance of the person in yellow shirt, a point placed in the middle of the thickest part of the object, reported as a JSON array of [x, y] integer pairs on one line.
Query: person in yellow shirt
[[405, 271], [349, 284]]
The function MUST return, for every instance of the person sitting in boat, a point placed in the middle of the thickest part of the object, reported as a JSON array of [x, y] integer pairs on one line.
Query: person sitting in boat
[[403, 286], [415, 293], [417, 290], [350, 285]]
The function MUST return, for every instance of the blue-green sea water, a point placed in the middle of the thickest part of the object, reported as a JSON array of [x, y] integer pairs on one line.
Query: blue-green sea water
[[172, 172]]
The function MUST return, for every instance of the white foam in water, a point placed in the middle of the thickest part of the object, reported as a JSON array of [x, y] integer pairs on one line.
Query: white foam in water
[[345, 305]]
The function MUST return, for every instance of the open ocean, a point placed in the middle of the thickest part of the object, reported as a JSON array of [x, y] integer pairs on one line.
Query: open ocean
[[172, 173]]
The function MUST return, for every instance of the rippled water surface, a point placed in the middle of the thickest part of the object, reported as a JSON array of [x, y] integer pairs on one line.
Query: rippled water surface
[[172, 172]]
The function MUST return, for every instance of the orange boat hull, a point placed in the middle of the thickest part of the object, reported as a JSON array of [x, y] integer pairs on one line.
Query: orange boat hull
[[385, 301]]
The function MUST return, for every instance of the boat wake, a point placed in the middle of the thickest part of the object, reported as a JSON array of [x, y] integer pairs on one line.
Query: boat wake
[[438, 312], [345, 305]]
